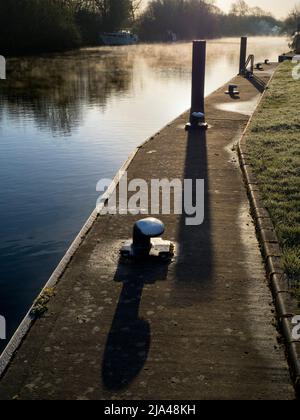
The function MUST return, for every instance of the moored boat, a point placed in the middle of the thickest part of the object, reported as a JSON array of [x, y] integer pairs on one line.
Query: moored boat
[[119, 38]]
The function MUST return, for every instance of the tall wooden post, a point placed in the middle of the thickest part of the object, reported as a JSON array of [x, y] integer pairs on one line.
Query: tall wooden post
[[243, 55], [197, 116]]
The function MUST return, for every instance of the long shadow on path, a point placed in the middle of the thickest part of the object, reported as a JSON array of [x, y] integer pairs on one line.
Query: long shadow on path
[[194, 267], [129, 339]]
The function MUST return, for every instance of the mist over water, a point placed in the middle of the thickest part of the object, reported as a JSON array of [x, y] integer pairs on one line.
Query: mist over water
[[67, 121]]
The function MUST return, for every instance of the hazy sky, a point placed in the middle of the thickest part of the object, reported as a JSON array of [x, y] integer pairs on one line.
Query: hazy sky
[[279, 8]]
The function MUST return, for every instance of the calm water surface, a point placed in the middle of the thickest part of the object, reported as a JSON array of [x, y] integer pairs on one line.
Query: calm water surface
[[68, 120]]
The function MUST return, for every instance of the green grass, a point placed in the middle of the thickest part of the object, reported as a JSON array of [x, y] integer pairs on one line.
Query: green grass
[[273, 144]]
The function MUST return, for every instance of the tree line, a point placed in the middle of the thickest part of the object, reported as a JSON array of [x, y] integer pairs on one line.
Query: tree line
[[28, 26], [53, 25], [199, 18]]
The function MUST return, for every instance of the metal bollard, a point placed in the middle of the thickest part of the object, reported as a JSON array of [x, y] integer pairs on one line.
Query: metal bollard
[[267, 61], [197, 115], [146, 241], [249, 74], [259, 66], [232, 90], [243, 55], [143, 231]]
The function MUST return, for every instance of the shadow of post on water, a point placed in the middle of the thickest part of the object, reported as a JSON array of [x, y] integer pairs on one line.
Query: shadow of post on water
[[129, 339]]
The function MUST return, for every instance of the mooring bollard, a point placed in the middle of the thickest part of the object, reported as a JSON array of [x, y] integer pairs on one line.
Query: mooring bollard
[[243, 55], [197, 116], [249, 74], [259, 66], [267, 61], [146, 241], [232, 90], [143, 231]]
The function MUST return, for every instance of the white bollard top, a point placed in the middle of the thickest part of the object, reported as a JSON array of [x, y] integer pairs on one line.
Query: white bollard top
[[151, 227]]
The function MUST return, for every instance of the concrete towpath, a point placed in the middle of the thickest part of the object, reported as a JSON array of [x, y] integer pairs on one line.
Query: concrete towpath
[[199, 328]]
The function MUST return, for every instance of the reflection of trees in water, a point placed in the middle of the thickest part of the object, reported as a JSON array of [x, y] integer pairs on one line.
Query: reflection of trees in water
[[53, 90]]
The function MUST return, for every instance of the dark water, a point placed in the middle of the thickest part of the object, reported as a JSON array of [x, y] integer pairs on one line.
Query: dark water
[[67, 121]]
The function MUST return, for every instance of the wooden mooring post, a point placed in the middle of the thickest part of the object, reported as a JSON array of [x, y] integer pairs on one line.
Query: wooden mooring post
[[243, 55], [197, 115]]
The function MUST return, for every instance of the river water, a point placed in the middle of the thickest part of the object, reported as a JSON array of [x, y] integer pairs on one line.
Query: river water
[[67, 121]]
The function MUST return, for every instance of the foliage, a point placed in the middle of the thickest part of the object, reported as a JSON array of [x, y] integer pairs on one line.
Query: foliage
[[201, 19], [40, 306], [36, 25], [292, 22], [53, 25]]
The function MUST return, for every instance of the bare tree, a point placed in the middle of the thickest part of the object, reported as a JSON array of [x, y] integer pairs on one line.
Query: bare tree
[[240, 8], [135, 7]]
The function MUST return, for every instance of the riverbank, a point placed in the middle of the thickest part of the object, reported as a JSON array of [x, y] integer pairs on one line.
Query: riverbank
[[199, 328], [269, 155], [34, 26], [273, 148]]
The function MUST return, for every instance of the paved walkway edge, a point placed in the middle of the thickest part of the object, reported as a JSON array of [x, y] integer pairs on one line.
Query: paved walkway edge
[[28, 321], [272, 255]]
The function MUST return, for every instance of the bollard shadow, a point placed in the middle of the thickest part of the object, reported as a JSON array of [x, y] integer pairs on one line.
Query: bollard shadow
[[235, 97], [258, 83], [194, 267], [129, 339]]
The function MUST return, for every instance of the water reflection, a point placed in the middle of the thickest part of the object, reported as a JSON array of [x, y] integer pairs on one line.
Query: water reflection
[[53, 91], [68, 120]]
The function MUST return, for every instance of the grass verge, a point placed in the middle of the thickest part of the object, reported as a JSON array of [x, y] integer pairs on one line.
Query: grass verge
[[273, 145]]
